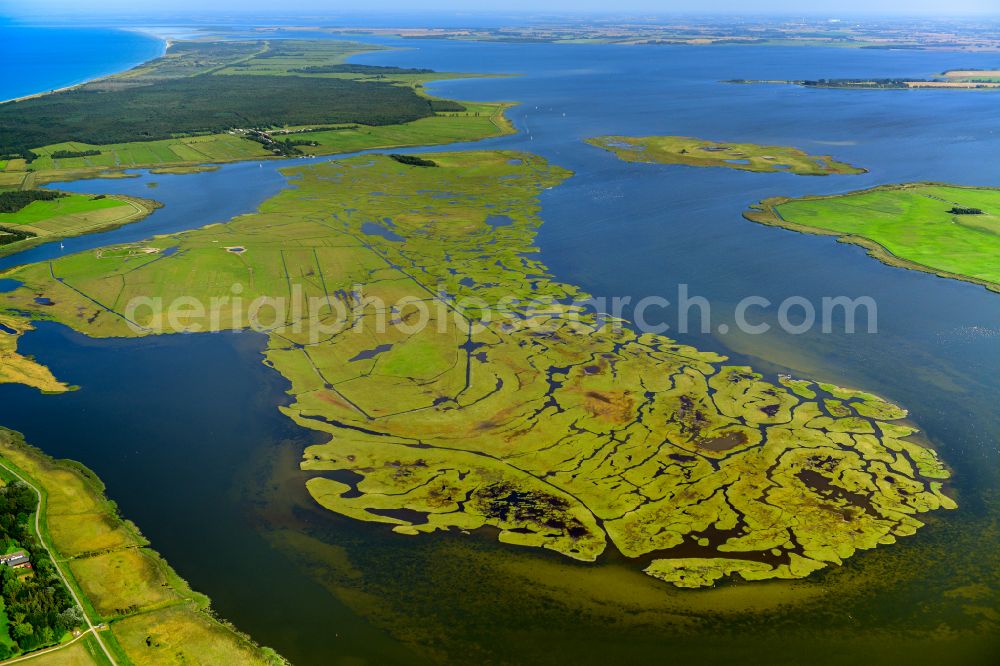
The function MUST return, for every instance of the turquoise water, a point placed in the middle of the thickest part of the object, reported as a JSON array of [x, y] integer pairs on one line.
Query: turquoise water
[[38, 59], [191, 445]]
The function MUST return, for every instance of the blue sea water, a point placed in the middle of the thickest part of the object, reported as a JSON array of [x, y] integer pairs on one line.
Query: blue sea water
[[39, 59]]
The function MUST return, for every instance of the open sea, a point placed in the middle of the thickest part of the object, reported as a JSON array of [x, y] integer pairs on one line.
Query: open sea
[[37, 59]]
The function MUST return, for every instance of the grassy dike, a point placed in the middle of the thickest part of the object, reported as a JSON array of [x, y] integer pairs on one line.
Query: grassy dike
[[143, 611]]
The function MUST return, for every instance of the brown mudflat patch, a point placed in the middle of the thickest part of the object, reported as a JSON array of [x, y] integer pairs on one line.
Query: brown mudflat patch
[[724, 442]]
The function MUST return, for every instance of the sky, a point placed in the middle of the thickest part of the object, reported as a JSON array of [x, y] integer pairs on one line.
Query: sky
[[333, 7]]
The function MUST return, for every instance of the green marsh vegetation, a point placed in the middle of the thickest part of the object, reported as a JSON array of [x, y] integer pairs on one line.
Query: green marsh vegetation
[[547, 426], [947, 230], [692, 151]]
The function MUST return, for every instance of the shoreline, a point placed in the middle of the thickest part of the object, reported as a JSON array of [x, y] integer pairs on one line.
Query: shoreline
[[168, 596], [164, 45]]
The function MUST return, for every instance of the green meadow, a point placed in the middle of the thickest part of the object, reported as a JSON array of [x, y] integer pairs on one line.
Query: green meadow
[[73, 204], [947, 230]]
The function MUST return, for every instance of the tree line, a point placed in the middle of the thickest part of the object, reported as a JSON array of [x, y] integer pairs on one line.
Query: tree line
[[63, 154]]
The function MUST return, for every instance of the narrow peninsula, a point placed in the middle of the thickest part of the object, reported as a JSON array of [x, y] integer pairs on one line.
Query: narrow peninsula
[[691, 151], [955, 79]]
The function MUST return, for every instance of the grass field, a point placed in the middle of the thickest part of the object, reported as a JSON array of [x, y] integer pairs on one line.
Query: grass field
[[439, 129], [5, 638], [691, 151], [533, 421], [194, 149], [38, 213], [176, 635], [123, 582], [910, 225]]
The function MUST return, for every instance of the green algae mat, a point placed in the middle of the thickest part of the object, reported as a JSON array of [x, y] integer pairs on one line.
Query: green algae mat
[[692, 151], [948, 230], [460, 388]]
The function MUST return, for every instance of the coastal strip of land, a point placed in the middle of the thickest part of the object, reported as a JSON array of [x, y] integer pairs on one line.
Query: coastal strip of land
[[949, 230], [692, 151], [136, 609], [949, 82], [242, 100], [905, 35]]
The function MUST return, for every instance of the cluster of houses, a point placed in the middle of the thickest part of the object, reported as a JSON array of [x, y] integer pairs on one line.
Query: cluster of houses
[[16, 560]]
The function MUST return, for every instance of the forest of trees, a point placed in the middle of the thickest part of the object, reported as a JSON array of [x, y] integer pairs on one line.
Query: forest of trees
[[446, 105], [201, 104], [39, 609]]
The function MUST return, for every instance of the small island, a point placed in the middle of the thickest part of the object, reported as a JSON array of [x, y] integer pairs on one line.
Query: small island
[[948, 230], [692, 151], [954, 79]]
